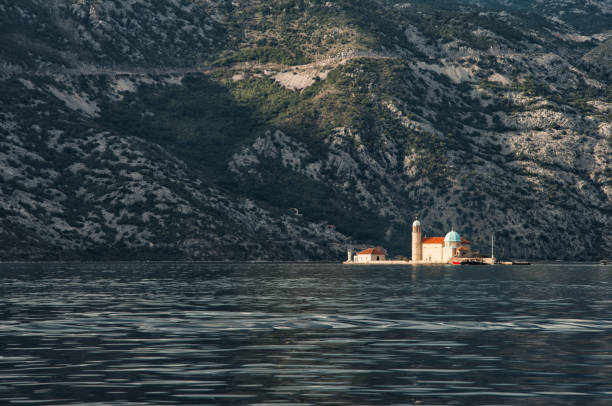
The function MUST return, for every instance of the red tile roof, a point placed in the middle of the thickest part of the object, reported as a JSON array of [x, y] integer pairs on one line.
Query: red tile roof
[[372, 251], [464, 241], [433, 240]]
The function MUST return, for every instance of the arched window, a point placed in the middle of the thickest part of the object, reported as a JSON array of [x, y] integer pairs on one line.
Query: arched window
[[378, 258]]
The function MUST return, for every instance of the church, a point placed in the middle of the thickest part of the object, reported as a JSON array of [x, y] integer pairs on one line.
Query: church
[[437, 250], [451, 248]]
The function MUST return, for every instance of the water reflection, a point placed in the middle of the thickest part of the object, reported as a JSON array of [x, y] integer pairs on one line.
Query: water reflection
[[174, 333]]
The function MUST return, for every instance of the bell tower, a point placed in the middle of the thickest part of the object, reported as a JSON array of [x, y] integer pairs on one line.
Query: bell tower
[[350, 255], [417, 242]]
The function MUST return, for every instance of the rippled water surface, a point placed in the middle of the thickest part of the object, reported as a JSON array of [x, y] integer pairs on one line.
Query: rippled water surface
[[190, 333]]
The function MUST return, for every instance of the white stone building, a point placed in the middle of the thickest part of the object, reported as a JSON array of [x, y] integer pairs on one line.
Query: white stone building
[[370, 255]]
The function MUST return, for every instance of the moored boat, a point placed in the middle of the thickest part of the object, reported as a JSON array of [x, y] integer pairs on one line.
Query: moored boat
[[467, 261], [473, 261]]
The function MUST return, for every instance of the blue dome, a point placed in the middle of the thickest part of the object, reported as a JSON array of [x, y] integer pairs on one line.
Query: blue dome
[[453, 236]]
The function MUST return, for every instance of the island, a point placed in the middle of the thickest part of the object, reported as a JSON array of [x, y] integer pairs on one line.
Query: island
[[450, 249]]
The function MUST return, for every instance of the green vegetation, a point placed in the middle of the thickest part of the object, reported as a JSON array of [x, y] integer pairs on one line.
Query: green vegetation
[[200, 120], [263, 55]]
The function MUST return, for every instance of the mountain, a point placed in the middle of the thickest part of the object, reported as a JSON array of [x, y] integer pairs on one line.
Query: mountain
[[291, 129]]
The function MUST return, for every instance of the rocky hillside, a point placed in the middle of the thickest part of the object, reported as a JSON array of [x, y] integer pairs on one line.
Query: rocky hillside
[[291, 129]]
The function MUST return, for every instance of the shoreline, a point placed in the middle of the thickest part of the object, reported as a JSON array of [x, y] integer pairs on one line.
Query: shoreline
[[330, 262]]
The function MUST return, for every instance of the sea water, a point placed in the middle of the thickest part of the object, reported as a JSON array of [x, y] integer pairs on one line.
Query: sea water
[[216, 333]]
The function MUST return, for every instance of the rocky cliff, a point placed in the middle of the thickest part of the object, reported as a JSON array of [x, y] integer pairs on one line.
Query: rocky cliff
[[292, 129]]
